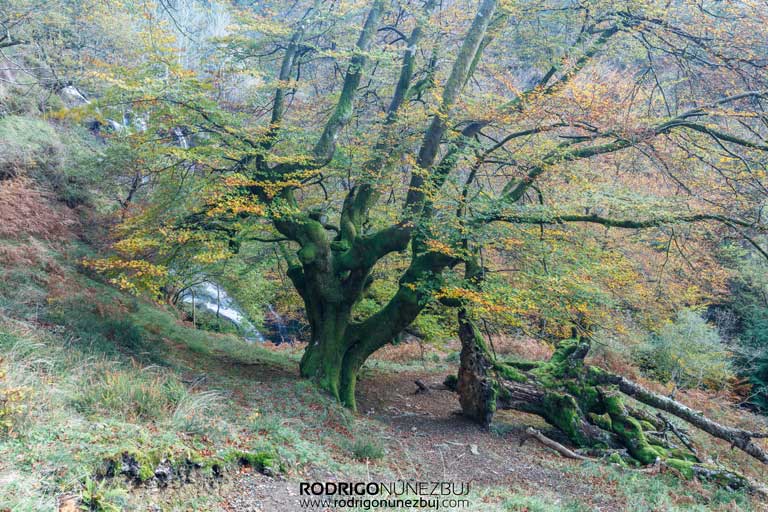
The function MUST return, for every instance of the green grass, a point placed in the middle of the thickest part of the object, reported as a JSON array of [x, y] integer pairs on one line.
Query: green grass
[[146, 394], [367, 448], [667, 492], [158, 324], [116, 375], [522, 503]]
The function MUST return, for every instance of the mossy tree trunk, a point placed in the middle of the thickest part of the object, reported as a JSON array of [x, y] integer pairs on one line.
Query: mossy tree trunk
[[330, 283], [333, 265]]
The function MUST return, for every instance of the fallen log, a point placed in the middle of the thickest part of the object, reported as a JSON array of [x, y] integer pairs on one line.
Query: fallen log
[[737, 437], [589, 406]]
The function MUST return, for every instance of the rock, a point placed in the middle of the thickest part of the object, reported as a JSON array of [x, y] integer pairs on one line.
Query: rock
[[473, 449], [164, 472], [130, 466]]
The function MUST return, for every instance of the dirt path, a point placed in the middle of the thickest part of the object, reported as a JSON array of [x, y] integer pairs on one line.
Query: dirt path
[[427, 440], [436, 443]]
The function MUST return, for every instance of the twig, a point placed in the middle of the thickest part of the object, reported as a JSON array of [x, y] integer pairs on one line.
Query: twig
[[422, 387], [681, 436]]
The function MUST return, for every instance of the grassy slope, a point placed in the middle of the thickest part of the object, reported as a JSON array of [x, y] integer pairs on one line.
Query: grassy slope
[[87, 397]]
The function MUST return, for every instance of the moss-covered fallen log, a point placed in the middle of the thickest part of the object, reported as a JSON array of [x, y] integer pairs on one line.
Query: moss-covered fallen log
[[589, 406], [739, 438]]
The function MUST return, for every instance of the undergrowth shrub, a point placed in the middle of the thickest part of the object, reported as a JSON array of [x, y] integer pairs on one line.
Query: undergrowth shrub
[[367, 449], [29, 212], [619, 352], [688, 352]]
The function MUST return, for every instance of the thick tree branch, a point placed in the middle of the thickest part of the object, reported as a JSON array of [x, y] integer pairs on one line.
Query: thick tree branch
[[286, 68], [367, 250], [363, 195], [614, 223], [458, 77], [326, 145]]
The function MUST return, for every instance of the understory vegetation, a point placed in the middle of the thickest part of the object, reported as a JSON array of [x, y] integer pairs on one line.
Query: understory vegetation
[[88, 394]]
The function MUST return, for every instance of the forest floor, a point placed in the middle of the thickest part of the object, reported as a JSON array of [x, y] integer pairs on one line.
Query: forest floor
[[430, 441], [426, 439]]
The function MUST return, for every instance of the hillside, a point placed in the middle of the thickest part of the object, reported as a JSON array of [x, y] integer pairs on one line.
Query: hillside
[[115, 403], [460, 255]]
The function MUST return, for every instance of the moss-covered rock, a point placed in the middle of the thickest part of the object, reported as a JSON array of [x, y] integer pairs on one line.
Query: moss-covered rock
[[180, 462], [264, 461], [134, 463]]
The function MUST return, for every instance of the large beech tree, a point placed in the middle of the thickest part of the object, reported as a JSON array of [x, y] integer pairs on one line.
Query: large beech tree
[[427, 130]]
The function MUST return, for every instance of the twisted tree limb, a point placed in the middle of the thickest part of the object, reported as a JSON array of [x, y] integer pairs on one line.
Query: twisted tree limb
[[738, 438]]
